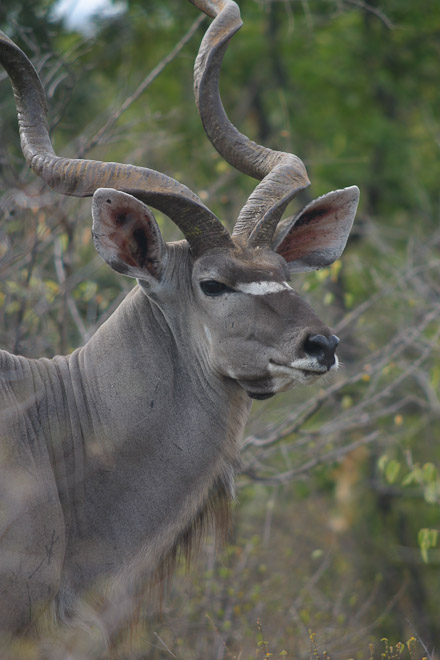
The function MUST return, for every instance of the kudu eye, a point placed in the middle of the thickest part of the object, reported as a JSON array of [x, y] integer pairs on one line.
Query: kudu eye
[[214, 288]]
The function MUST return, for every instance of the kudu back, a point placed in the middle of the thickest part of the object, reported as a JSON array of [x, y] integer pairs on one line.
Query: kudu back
[[115, 456]]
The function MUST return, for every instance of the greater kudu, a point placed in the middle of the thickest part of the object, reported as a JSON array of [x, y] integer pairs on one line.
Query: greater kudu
[[113, 457]]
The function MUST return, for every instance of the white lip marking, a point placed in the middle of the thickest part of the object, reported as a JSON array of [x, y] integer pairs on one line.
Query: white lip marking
[[308, 364], [303, 368], [335, 366], [262, 288]]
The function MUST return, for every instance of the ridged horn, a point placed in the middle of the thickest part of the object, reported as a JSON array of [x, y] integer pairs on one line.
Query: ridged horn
[[282, 174], [81, 178]]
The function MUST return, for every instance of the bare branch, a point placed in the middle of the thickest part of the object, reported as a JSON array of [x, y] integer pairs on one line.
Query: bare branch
[[61, 274], [373, 10], [146, 82], [329, 457]]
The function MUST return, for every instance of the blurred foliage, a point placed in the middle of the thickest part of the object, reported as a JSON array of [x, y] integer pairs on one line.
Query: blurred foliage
[[338, 508]]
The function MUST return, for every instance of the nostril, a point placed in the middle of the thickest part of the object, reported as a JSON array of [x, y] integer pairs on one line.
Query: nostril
[[321, 347], [316, 344]]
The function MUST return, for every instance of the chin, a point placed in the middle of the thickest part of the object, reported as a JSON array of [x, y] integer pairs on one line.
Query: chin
[[260, 396], [307, 379], [258, 388], [266, 388]]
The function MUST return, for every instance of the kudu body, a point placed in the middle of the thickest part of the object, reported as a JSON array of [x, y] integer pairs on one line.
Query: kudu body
[[114, 456]]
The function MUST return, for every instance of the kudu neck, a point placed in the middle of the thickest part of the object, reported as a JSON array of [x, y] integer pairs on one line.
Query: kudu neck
[[149, 355]]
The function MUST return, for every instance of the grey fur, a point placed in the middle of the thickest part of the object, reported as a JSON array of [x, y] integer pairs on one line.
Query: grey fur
[[116, 456]]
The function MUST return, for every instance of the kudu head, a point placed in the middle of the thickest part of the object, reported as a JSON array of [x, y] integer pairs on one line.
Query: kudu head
[[228, 293]]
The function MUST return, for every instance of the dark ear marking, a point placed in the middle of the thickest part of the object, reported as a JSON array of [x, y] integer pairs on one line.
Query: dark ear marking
[[140, 247], [126, 235], [121, 218], [310, 217]]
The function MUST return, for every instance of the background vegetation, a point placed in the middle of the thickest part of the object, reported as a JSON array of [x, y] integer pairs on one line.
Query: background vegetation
[[338, 500]]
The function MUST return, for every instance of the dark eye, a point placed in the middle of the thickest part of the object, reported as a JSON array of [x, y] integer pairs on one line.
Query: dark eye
[[214, 288]]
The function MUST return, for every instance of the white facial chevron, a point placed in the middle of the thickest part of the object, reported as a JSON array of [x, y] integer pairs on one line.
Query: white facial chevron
[[262, 288]]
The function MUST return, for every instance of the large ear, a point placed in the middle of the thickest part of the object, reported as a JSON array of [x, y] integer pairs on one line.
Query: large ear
[[317, 235], [126, 235]]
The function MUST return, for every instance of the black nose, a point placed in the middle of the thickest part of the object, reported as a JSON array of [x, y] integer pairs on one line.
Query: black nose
[[322, 348]]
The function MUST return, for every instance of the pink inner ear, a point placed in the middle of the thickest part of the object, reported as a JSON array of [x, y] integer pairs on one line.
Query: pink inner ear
[[316, 232], [316, 237]]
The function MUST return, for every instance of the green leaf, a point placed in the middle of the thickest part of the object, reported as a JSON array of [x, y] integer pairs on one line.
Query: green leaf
[[383, 460], [429, 472], [427, 539], [412, 477], [392, 470]]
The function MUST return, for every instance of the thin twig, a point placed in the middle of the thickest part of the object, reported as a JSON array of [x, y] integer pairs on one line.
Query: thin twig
[[61, 275], [329, 457], [373, 10], [95, 139], [165, 646]]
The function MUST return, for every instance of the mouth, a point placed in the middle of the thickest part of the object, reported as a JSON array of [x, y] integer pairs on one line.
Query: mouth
[[307, 367], [323, 370], [282, 377], [303, 371], [313, 372]]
